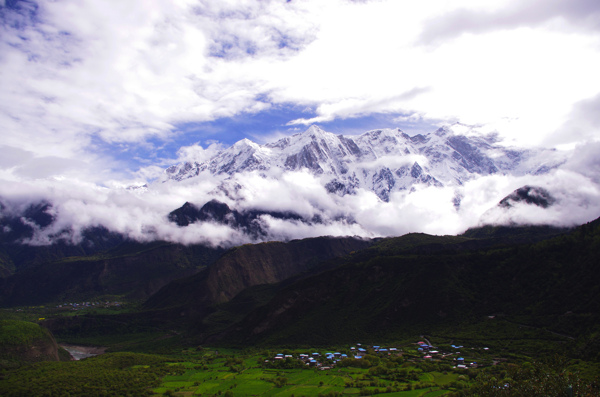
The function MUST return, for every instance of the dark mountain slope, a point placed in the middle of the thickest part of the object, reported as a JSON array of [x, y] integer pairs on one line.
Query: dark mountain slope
[[17, 227], [516, 234], [133, 270], [388, 289], [196, 303], [250, 265], [330, 291], [15, 256]]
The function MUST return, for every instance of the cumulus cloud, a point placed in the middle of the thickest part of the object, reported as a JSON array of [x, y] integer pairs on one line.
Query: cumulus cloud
[[582, 124], [197, 153], [13, 156], [576, 14], [139, 215], [586, 161], [355, 107], [577, 201]]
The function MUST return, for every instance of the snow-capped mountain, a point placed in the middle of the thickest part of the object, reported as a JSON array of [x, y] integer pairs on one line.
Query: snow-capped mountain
[[382, 161]]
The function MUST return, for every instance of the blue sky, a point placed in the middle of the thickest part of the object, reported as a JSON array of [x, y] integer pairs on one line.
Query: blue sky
[[262, 127], [114, 88]]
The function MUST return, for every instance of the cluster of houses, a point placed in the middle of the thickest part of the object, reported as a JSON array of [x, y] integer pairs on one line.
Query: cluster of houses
[[429, 354], [86, 305], [329, 360], [427, 350]]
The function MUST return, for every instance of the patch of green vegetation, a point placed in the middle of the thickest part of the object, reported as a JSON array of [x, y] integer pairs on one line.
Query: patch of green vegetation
[[549, 377], [24, 342], [17, 333], [115, 374], [226, 372], [256, 373]]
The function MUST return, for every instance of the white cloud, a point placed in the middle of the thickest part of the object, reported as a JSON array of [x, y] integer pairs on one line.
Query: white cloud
[[86, 70], [585, 161], [365, 58], [577, 201], [142, 214], [582, 124], [13, 156], [575, 15], [197, 153]]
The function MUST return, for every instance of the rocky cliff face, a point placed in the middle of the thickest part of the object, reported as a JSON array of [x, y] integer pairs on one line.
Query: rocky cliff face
[[272, 262]]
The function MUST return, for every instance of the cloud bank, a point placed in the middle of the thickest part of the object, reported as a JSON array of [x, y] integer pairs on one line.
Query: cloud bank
[[141, 214]]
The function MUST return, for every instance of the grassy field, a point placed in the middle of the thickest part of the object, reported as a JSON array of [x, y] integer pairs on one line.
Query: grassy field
[[301, 382], [248, 375], [204, 371]]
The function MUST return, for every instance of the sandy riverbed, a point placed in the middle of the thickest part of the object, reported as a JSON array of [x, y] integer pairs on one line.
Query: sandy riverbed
[[79, 352]]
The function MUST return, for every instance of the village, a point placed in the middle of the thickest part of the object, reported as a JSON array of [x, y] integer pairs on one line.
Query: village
[[418, 351], [88, 305]]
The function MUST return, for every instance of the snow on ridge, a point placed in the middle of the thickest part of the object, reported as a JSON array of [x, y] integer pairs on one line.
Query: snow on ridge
[[383, 160]]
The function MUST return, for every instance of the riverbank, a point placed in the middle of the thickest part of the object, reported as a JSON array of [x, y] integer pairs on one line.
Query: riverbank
[[80, 352]]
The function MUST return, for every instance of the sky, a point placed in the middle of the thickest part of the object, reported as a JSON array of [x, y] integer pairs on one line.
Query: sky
[[97, 94]]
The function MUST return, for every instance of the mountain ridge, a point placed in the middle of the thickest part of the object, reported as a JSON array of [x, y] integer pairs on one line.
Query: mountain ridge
[[392, 288], [383, 161]]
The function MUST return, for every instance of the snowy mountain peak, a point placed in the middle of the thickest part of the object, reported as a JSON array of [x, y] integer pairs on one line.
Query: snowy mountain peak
[[245, 143], [314, 130], [383, 161], [443, 131], [386, 133], [310, 135]]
